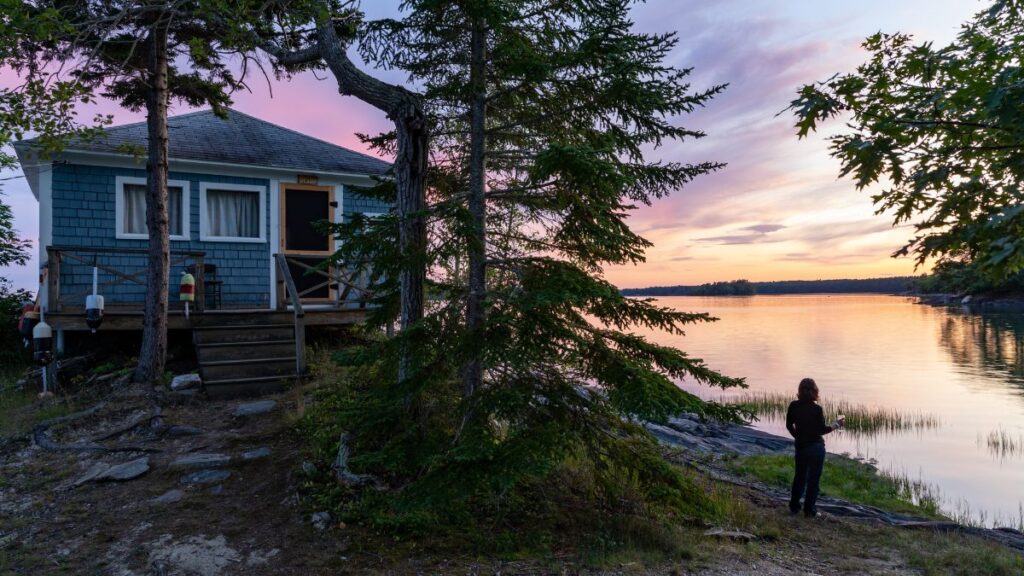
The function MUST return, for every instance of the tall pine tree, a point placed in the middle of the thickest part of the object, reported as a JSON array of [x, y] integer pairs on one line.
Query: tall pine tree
[[543, 114]]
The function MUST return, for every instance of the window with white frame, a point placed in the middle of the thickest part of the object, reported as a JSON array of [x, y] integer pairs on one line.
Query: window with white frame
[[130, 206], [232, 212]]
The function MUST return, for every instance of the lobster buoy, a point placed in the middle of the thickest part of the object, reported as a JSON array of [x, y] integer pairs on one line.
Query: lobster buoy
[[187, 290], [28, 321], [94, 304], [42, 343], [93, 311]]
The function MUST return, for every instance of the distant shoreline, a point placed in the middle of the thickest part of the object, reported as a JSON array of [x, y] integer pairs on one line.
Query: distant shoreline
[[899, 285]]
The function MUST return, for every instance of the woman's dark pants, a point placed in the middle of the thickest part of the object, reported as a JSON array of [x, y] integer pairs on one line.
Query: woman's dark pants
[[810, 459]]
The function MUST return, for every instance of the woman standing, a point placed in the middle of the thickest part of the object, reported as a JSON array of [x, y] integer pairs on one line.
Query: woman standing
[[805, 421]]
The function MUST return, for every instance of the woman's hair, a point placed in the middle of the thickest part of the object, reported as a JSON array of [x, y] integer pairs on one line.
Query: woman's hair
[[808, 390]]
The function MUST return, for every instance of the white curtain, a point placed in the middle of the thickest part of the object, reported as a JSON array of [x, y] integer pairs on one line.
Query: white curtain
[[135, 209], [233, 213]]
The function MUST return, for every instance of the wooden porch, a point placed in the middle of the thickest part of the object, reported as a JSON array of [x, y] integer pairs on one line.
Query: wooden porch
[[241, 351], [346, 287]]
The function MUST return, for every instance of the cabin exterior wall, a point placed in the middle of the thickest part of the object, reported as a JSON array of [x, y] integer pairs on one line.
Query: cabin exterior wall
[[84, 214]]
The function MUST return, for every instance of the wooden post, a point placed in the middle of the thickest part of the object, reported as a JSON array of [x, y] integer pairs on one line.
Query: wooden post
[[300, 321], [300, 345], [200, 284], [279, 286], [53, 279]]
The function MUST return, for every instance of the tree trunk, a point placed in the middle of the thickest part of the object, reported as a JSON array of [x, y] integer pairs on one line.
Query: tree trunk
[[410, 180], [472, 375], [405, 109], [154, 327]]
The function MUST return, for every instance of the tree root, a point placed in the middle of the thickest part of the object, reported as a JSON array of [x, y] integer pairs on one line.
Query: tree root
[[42, 439], [342, 472]]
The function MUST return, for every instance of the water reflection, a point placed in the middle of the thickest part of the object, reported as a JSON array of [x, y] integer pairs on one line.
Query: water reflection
[[986, 343], [889, 354]]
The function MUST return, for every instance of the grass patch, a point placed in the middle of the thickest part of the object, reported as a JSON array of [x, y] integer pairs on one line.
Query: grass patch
[[20, 410], [861, 419], [963, 556], [849, 480]]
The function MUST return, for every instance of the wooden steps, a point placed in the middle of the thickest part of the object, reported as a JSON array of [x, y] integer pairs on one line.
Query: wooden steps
[[245, 360]]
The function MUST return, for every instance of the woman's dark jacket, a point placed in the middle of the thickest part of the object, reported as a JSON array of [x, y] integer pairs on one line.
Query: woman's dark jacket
[[805, 421]]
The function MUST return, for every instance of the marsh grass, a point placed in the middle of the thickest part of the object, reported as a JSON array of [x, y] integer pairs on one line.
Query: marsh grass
[[962, 513], [861, 419], [1003, 444]]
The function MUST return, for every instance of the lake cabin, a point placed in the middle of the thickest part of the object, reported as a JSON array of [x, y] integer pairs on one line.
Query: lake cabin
[[246, 199]]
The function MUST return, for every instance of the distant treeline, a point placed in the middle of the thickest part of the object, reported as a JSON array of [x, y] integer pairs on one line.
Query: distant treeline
[[895, 285]]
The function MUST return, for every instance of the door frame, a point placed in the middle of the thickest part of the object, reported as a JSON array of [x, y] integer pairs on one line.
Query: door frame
[[283, 187]]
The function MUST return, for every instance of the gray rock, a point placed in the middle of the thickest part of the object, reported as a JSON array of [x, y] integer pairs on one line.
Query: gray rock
[[169, 497], [308, 468], [186, 382], [206, 477], [201, 461], [127, 471], [709, 437], [320, 520], [254, 408], [256, 453], [92, 473], [100, 472], [218, 489], [730, 534], [177, 431]]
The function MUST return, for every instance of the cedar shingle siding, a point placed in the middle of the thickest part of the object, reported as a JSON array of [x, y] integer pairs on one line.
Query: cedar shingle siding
[[83, 215]]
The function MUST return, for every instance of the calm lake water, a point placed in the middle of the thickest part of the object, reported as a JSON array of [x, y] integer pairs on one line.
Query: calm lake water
[[888, 351]]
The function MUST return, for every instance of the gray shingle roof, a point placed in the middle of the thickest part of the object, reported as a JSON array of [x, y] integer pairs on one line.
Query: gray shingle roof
[[241, 139]]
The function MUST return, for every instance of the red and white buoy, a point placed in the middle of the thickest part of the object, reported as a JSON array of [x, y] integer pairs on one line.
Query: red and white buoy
[[187, 290]]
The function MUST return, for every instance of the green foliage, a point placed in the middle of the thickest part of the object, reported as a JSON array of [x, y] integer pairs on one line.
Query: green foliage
[[13, 248], [66, 54], [13, 251], [12, 351], [574, 97], [849, 480], [943, 129], [626, 497], [965, 277]]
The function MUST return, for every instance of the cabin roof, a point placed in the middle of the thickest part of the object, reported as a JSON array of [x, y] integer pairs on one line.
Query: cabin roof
[[236, 139]]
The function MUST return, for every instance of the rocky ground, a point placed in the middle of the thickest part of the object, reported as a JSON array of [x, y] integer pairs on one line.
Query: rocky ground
[[144, 483]]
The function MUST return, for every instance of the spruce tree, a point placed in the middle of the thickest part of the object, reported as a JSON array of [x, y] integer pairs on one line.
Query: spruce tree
[[543, 114]]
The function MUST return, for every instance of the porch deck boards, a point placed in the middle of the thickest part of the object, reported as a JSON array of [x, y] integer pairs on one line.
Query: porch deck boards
[[125, 319]]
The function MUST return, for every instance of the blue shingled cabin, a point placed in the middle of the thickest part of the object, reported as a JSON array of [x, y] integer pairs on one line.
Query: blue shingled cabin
[[245, 197]]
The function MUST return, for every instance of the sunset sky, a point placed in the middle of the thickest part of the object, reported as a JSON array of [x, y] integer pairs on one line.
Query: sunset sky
[[776, 212]]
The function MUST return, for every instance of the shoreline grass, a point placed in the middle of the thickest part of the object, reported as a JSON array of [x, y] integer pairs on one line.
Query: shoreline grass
[[850, 480], [861, 419]]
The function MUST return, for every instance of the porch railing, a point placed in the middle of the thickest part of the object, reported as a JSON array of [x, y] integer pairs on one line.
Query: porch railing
[[349, 285], [296, 299], [60, 294]]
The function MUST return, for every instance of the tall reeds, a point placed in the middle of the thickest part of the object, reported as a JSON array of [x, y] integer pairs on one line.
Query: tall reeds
[[860, 418], [1003, 444]]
